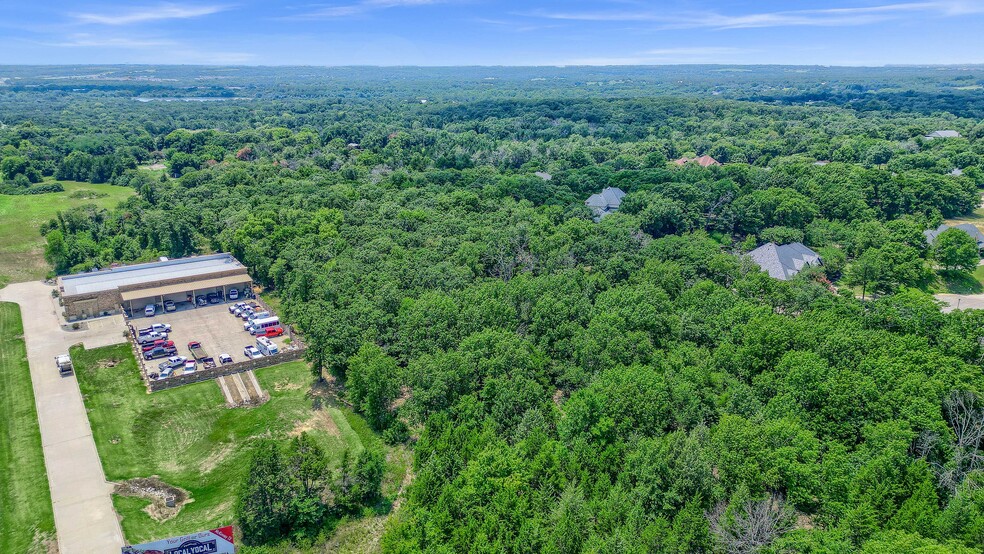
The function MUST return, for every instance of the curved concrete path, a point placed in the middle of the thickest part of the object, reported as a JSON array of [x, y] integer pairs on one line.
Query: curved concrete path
[[85, 520]]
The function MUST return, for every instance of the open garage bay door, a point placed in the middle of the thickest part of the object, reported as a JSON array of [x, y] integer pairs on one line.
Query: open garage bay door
[[203, 286]]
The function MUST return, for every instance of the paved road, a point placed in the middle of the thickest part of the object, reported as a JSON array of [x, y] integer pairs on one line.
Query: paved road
[[84, 517], [962, 301]]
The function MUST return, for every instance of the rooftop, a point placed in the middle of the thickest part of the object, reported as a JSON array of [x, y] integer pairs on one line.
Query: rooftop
[[946, 133], [114, 278], [703, 161], [968, 228], [785, 261]]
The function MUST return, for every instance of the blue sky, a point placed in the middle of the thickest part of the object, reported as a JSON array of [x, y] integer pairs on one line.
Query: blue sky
[[492, 32]]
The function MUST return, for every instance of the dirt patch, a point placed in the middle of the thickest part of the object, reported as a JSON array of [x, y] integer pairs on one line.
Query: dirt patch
[[157, 492], [156, 167], [43, 543], [285, 385], [320, 420], [103, 364]]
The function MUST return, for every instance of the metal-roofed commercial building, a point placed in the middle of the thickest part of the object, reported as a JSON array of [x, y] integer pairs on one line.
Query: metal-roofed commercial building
[[106, 291]]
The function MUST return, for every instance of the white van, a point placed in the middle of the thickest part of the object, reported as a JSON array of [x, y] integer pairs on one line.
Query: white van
[[266, 346], [264, 323], [150, 310]]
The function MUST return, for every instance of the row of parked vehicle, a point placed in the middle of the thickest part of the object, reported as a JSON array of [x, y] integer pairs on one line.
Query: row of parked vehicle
[[256, 321], [216, 297], [154, 342], [189, 364]]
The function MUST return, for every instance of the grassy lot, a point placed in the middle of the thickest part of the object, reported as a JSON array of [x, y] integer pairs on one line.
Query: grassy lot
[[188, 438], [26, 520], [21, 245]]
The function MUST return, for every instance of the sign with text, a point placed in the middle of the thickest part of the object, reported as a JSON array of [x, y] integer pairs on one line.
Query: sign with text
[[216, 541]]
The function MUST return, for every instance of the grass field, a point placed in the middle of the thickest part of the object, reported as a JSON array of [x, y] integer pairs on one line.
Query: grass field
[[188, 438], [27, 523], [21, 244]]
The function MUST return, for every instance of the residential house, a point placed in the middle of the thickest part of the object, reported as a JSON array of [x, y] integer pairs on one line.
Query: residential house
[[703, 161], [605, 203], [968, 228], [942, 134], [785, 261]]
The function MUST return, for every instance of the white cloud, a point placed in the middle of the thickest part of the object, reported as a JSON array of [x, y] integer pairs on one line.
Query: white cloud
[[362, 7], [87, 40], [828, 17], [154, 13]]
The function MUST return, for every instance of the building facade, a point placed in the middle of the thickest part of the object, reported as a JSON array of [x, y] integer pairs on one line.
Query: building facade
[[108, 291]]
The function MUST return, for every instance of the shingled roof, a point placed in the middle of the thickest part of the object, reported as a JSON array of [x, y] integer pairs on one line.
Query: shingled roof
[[606, 202], [968, 228], [783, 262], [943, 134], [703, 161]]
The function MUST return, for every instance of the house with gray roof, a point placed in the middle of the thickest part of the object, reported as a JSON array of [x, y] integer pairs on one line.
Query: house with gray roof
[[942, 134], [606, 202], [968, 228], [784, 261]]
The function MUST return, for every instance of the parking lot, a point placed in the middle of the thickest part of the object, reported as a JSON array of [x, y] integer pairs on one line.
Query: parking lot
[[218, 331]]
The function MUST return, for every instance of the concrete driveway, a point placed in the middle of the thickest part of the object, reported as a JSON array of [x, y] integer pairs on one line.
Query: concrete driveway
[[84, 517], [961, 301]]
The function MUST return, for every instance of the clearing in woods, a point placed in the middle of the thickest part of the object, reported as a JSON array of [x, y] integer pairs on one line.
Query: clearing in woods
[[188, 438], [21, 217], [27, 523]]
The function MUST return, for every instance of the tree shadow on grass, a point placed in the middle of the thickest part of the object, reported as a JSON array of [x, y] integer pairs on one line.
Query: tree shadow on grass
[[961, 282]]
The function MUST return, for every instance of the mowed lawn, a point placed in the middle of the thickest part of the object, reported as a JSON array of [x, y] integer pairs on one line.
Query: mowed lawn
[[21, 243], [188, 438], [27, 523]]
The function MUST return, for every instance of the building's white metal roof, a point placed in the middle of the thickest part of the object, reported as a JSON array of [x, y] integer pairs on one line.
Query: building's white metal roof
[[114, 278]]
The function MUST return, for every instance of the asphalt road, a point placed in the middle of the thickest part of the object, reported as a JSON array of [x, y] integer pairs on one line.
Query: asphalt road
[[84, 517]]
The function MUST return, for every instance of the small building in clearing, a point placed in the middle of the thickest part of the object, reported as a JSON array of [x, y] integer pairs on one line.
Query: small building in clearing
[[784, 261], [605, 203], [108, 291]]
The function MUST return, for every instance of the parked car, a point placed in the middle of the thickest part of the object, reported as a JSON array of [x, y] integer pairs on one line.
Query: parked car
[[173, 362], [190, 366], [170, 306], [246, 313], [151, 337], [225, 359], [150, 310], [236, 306], [158, 344], [233, 294], [159, 352], [165, 373], [252, 352], [212, 298], [271, 332], [266, 346], [200, 300], [155, 328]]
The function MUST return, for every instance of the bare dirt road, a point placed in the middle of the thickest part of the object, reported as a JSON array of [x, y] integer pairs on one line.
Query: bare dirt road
[[84, 517]]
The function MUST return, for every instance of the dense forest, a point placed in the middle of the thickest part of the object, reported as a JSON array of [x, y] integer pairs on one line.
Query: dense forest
[[628, 385]]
